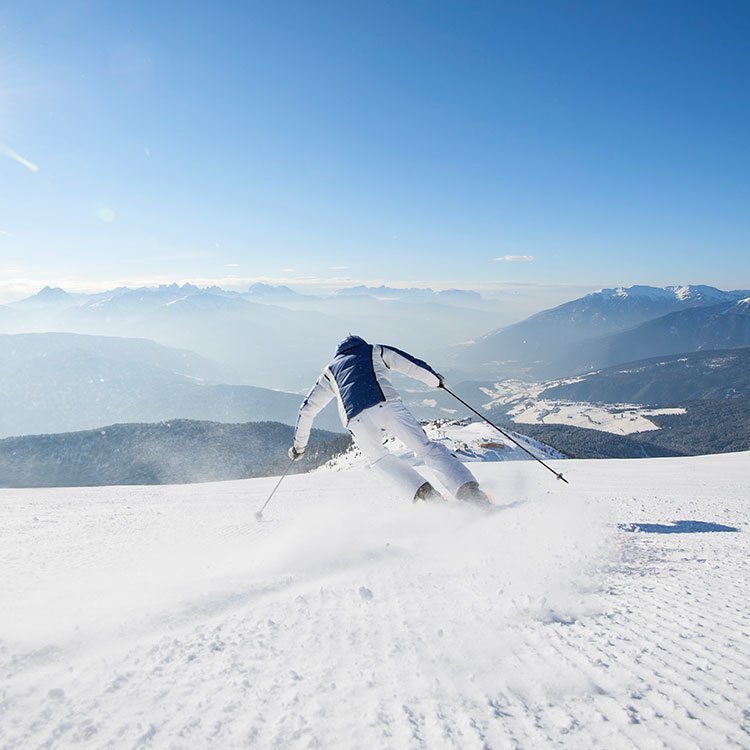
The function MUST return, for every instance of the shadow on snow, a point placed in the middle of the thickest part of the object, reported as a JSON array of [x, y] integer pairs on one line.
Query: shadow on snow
[[676, 527]]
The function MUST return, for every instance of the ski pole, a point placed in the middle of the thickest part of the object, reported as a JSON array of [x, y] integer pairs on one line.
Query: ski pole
[[502, 432], [259, 514]]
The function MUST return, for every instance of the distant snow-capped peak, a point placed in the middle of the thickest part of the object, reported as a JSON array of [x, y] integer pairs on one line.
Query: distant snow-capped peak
[[49, 296], [627, 292], [679, 293], [52, 292], [698, 291], [409, 293], [275, 290]]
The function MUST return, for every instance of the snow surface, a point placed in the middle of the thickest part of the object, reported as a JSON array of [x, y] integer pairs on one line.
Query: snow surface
[[471, 441], [573, 616]]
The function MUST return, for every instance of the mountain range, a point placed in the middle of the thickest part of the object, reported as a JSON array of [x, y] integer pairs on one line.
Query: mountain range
[[272, 336], [58, 382], [715, 374], [267, 336], [608, 327], [229, 344], [694, 329], [412, 294]]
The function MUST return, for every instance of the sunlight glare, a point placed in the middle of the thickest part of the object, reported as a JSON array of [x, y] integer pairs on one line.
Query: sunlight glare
[[8, 151]]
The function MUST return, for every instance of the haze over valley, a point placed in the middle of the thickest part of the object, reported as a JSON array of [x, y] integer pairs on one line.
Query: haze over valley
[[223, 356]]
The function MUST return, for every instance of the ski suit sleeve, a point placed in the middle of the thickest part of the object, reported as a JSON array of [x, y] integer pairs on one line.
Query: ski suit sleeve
[[410, 366], [320, 395]]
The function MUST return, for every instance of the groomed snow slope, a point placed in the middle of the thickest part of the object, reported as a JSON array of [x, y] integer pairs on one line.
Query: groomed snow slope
[[167, 617]]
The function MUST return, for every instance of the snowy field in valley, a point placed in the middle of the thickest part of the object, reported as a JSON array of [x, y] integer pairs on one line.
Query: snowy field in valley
[[611, 613], [619, 419], [528, 408]]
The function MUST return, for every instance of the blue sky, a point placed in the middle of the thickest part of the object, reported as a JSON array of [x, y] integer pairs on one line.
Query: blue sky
[[584, 144]]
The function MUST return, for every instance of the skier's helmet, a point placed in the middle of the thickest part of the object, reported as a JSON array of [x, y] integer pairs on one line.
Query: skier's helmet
[[350, 342]]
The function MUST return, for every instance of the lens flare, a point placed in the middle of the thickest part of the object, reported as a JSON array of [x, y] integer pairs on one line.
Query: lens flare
[[8, 151], [106, 214]]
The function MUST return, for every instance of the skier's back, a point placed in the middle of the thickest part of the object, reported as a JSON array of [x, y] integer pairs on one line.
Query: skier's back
[[359, 377]]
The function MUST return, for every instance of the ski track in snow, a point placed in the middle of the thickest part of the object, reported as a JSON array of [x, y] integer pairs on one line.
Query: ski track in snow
[[167, 617]]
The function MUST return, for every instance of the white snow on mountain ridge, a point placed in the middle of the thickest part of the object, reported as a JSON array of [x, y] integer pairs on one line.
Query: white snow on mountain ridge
[[703, 292], [635, 291], [685, 293], [611, 612]]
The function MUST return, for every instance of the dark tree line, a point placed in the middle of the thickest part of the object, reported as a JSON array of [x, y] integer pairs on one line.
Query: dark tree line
[[161, 453]]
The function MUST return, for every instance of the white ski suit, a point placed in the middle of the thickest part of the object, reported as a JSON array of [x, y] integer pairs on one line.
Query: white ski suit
[[359, 378]]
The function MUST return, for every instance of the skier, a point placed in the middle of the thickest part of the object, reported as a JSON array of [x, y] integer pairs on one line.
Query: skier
[[359, 377]]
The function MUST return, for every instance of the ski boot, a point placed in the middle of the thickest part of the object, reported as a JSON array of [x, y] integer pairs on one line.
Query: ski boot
[[469, 492], [427, 493]]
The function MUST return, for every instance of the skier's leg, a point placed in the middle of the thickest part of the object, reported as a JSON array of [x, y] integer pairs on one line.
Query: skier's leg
[[368, 435], [401, 422]]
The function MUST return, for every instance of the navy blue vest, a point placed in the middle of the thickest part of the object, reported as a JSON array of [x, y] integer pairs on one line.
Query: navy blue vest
[[355, 376]]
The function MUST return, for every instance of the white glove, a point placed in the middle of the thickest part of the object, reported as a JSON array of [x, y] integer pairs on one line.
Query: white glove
[[295, 454]]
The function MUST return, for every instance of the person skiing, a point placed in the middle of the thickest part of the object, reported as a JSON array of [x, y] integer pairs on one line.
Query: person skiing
[[359, 377]]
